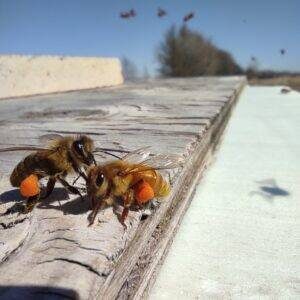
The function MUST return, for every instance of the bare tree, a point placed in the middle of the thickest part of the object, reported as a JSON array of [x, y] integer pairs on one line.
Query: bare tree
[[187, 53]]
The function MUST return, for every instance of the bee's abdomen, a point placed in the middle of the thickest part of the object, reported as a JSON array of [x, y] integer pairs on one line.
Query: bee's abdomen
[[33, 164], [21, 171], [162, 187]]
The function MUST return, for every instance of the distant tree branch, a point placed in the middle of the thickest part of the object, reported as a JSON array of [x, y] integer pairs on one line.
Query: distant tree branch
[[187, 53]]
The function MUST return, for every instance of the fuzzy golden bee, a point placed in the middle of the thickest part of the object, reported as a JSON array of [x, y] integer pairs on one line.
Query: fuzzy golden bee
[[135, 179], [63, 156]]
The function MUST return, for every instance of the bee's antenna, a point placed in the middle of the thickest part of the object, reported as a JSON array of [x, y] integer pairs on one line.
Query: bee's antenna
[[108, 153]]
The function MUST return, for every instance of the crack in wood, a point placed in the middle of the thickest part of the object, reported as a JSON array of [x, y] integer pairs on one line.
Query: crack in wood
[[75, 132], [139, 108], [187, 118], [14, 251], [78, 245], [76, 262], [174, 123], [52, 247], [56, 230], [155, 118], [48, 218], [154, 132], [63, 113], [12, 224]]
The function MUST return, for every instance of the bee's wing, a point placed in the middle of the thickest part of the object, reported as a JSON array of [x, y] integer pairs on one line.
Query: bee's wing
[[99, 150], [157, 162], [46, 138], [133, 157], [42, 139], [22, 148], [164, 161], [137, 156]]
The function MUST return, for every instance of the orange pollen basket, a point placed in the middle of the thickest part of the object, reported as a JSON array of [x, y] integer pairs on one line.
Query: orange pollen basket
[[143, 192], [30, 186]]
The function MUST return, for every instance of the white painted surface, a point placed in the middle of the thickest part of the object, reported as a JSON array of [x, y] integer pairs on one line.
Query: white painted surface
[[22, 75], [240, 238]]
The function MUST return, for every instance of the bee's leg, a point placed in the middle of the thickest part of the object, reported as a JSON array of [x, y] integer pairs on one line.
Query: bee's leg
[[92, 203], [100, 204], [50, 187], [31, 202], [124, 216], [78, 170], [128, 201], [70, 188]]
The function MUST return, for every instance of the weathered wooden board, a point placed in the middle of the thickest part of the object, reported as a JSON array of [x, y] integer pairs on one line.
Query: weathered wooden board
[[51, 252]]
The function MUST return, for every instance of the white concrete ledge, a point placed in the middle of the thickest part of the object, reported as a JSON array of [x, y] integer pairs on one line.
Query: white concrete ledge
[[29, 75]]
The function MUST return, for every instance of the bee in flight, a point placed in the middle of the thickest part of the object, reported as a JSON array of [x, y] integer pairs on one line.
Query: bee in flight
[[63, 156], [188, 17], [282, 51], [135, 179], [161, 12], [128, 14]]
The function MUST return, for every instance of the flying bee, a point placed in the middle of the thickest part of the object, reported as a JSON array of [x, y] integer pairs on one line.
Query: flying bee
[[128, 14], [188, 17], [135, 179], [161, 12], [282, 51], [63, 156]]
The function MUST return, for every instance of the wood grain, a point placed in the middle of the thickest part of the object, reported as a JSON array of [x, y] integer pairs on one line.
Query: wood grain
[[52, 251]]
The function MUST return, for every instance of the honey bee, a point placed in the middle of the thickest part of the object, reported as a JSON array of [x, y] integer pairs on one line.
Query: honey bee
[[188, 17], [135, 179], [63, 156], [161, 12], [128, 14]]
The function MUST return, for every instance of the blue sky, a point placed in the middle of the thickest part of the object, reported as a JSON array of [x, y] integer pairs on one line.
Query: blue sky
[[93, 28]]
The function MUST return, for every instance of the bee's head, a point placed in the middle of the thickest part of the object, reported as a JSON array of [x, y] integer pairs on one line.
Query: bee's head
[[98, 189], [97, 182], [82, 148]]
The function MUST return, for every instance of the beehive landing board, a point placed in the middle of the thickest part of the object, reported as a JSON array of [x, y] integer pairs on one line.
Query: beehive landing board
[[51, 253]]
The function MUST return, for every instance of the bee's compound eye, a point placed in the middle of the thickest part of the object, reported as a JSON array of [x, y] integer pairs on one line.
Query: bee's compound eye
[[78, 146], [100, 179]]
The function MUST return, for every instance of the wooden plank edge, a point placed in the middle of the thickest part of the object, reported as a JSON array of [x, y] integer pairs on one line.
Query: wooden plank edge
[[36, 95], [159, 250], [144, 253]]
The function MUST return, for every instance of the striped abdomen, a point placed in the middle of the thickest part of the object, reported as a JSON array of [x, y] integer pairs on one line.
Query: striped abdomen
[[36, 163], [161, 187]]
